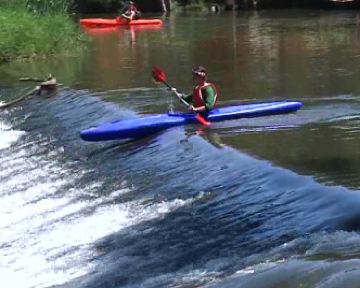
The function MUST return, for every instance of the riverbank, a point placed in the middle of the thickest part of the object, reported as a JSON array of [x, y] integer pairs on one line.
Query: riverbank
[[26, 35]]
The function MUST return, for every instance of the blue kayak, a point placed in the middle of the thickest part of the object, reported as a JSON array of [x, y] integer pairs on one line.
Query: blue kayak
[[147, 125]]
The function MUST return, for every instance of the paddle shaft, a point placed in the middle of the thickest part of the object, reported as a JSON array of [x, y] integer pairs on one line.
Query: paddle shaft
[[180, 98]]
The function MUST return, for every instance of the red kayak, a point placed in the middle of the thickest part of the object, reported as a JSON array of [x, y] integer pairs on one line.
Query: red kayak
[[98, 22]]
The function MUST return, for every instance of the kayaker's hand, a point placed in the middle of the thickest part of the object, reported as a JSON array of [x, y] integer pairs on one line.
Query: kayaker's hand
[[176, 92], [192, 108]]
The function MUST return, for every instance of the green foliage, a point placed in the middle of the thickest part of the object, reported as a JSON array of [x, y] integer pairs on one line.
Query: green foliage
[[198, 5], [36, 28], [47, 6], [12, 4], [38, 6], [24, 34], [194, 4], [104, 6]]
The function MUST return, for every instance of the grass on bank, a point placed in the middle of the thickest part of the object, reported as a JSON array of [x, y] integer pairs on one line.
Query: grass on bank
[[200, 6], [25, 35]]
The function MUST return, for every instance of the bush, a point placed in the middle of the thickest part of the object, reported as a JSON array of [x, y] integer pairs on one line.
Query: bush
[[38, 6], [24, 34], [47, 6]]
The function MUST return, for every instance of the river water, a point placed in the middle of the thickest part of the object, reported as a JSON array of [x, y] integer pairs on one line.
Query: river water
[[261, 202]]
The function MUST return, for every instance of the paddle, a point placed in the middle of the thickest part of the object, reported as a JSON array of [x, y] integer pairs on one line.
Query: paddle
[[160, 76]]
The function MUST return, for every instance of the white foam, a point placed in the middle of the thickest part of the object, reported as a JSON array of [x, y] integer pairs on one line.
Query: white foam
[[50, 245], [259, 267], [195, 276], [47, 237], [8, 136]]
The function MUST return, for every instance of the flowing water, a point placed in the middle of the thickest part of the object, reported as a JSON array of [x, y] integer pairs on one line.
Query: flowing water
[[260, 202]]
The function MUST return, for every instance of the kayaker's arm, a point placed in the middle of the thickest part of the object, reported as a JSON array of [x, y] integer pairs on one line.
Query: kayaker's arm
[[187, 98], [208, 95]]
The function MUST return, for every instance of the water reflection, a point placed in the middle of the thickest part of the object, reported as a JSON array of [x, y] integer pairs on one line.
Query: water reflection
[[208, 135]]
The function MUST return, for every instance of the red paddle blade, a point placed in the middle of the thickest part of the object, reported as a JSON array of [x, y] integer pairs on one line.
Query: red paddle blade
[[202, 120], [158, 74]]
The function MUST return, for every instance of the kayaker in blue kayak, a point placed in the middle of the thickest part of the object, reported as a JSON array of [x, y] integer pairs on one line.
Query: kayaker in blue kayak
[[131, 12], [204, 96]]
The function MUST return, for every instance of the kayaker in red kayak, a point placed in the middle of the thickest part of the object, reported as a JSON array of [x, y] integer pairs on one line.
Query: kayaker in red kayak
[[131, 12], [204, 96]]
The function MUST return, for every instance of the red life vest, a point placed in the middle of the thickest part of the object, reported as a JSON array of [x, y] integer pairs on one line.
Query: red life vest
[[197, 100]]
